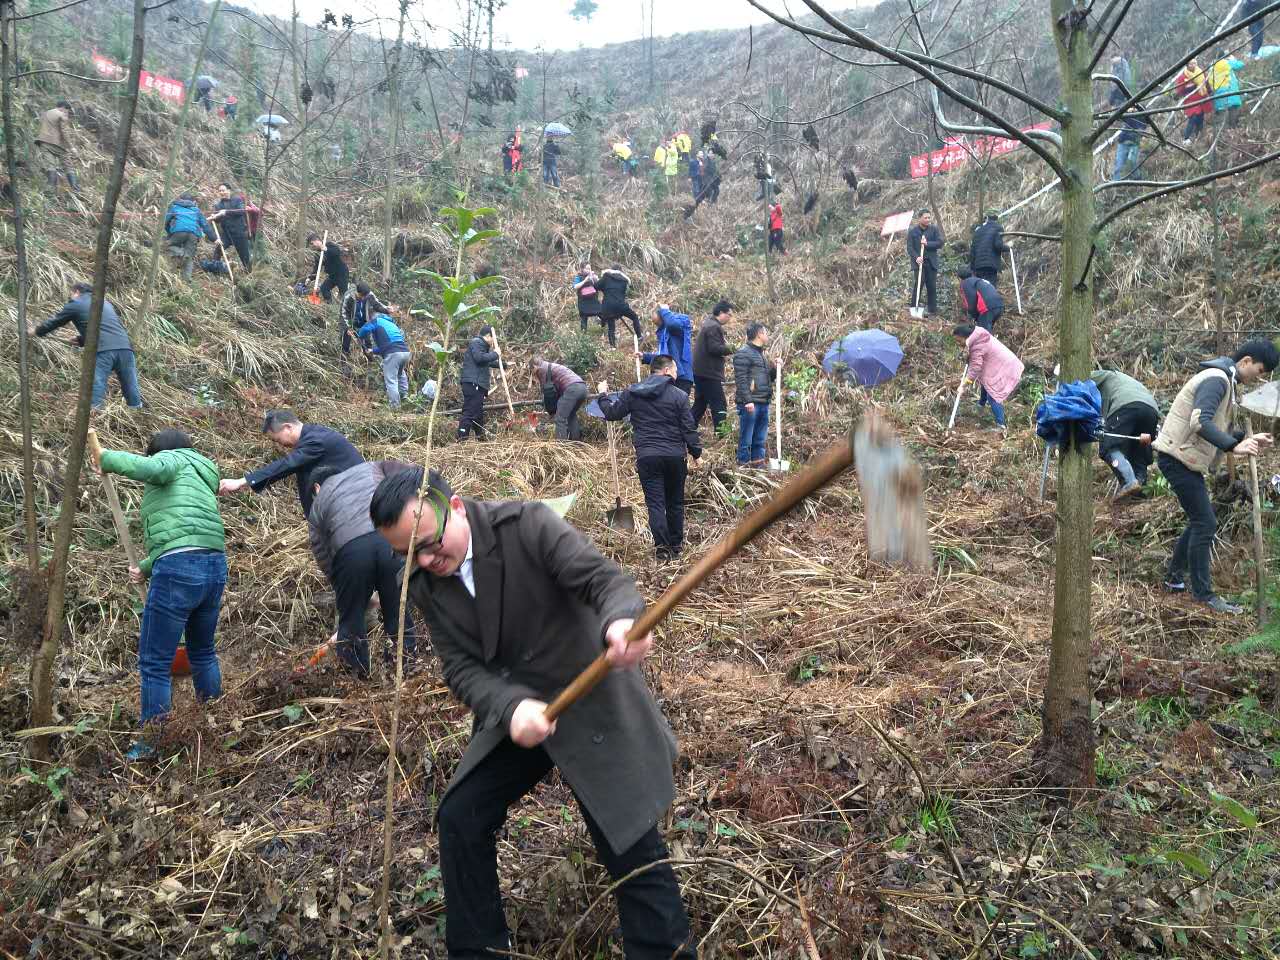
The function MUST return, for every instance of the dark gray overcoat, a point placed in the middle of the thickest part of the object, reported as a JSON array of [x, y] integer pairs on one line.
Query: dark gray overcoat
[[544, 596]]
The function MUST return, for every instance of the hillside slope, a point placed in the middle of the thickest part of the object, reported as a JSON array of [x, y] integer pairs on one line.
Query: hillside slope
[[854, 735]]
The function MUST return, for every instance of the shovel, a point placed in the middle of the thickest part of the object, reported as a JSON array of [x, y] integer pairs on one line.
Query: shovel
[[181, 665], [782, 466], [636, 341], [917, 312], [502, 369], [620, 517], [314, 295], [898, 487]]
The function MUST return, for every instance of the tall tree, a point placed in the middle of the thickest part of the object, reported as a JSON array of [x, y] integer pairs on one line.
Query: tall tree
[[7, 59], [393, 83], [47, 652], [1081, 38]]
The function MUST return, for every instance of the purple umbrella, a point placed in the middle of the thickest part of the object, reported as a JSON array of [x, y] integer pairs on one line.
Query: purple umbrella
[[868, 357]]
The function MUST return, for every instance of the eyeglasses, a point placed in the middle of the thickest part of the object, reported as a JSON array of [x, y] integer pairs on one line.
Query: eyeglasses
[[427, 548]]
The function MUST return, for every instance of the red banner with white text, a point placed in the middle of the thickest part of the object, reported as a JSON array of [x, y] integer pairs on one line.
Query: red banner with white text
[[960, 150], [172, 90]]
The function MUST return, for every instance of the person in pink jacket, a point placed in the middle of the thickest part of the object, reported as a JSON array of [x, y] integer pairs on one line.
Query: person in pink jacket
[[992, 366]]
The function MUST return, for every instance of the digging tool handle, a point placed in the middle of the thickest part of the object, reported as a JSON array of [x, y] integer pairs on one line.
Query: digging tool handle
[[636, 341], [837, 458], [955, 407], [502, 369], [613, 456], [1017, 290], [222, 249], [315, 286], [117, 512]]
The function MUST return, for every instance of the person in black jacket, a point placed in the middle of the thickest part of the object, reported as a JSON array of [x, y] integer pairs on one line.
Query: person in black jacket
[[233, 223], [981, 300], [613, 285], [115, 351], [663, 431], [550, 163], [924, 234], [356, 311], [709, 352], [710, 178], [336, 276], [985, 249], [309, 446], [478, 359]]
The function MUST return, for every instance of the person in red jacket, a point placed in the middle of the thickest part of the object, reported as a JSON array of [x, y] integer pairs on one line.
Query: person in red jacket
[[775, 228]]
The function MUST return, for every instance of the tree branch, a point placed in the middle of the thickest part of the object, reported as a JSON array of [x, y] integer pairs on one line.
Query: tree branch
[[63, 73], [1106, 41], [1033, 236], [910, 60], [1178, 66], [1183, 185], [918, 65]]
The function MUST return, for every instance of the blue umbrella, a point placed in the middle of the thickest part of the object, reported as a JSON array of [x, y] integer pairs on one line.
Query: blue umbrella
[[557, 130], [1074, 410], [869, 357]]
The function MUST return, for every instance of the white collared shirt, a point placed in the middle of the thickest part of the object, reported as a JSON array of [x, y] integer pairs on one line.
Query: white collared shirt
[[465, 573]]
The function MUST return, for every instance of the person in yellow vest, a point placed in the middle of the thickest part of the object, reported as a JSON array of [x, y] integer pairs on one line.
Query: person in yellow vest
[[671, 164], [684, 144], [660, 156], [1195, 434]]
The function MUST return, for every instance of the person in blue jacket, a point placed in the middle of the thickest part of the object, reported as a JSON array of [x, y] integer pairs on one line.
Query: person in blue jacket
[[389, 344], [675, 333], [183, 224]]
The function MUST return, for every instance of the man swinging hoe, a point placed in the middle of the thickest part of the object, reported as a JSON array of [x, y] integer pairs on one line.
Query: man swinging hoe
[[522, 608]]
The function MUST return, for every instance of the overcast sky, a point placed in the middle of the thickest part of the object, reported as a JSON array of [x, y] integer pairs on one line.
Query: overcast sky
[[528, 24]]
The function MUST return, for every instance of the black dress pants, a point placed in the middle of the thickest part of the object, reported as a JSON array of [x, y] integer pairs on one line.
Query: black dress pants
[[662, 479], [709, 395], [471, 422], [929, 287], [654, 923], [360, 567], [330, 284]]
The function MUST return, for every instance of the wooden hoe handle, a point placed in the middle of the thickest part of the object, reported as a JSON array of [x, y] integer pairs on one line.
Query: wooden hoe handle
[[117, 512], [833, 462]]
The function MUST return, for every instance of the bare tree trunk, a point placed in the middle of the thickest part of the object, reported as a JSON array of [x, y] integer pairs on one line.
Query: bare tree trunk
[[395, 142], [157, 236], [1219, 344], [45, 654], [20, 244], [1066, 747], [299, 52]]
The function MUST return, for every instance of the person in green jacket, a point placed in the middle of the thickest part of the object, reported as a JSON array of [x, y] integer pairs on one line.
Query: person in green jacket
[[1128, 410], [186, 562]]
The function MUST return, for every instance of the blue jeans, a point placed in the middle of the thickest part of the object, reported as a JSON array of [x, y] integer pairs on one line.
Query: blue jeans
[[126, 370], [1126, 160], [997, 409], [185, 596], [551, 171], [753, 430]]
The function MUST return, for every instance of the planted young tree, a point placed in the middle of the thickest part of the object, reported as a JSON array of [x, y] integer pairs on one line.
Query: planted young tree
[[47, 652], [1081, 36], [455, 315]]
